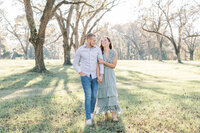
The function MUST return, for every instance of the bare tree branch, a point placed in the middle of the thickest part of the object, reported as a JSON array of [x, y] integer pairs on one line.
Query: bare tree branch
[[67, 2], [55, 40]]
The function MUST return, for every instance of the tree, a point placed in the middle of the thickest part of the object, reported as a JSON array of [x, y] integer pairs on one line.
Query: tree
[[64, 25], [37, 36], [4, 52], [20, 31], [53, 41], [178, 19], [132, 32], [0, 47], [191, 41], [89, 18], [154, 16], [0, 34], [70, 25]]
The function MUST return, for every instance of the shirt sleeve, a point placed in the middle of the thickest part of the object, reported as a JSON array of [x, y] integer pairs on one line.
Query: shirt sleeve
[[76, 61], [101, 66]]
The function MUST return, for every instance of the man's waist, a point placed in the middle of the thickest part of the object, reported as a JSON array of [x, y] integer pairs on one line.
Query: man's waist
[[86, 72]]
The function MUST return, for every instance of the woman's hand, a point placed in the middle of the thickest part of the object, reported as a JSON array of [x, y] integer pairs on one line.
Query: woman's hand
[[101, 61], [100, 78]]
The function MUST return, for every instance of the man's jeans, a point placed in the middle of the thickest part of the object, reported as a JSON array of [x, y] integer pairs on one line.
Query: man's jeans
[[90, 87]]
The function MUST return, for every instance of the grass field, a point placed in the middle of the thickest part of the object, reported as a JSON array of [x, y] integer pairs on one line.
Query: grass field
[[154, 97]]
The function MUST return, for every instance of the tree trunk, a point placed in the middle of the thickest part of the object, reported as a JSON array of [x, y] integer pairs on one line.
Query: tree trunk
[[178, 55], [39, 59], [67, 57], [128, 52], [141, 57], [76, 42], [67, 49], [191, 55], [26, 55], [149, 51], [160, 53], [159, 40], [0, 47], [185, 55]]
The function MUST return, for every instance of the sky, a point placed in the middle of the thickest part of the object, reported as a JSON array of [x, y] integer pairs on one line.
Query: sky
[[125, 11], [122, 13]]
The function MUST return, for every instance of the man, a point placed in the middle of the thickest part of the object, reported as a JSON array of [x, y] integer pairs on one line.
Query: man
[[88, 55]]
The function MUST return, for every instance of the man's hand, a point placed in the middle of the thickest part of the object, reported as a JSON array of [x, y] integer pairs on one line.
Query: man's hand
[[82, 74], [101, 61]]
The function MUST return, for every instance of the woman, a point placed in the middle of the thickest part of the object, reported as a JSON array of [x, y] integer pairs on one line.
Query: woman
[[107, 93]]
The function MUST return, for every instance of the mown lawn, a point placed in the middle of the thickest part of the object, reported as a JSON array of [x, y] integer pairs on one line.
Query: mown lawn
[[154, 96]]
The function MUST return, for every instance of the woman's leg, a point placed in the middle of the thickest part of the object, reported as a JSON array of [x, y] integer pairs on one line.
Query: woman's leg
[[114, 116], [106, 116]]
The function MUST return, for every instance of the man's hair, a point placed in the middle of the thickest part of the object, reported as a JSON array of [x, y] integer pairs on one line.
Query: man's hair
[[89, 35]]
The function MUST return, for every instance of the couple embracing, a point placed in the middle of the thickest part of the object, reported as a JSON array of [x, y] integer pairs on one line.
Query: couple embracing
[[97, 77]]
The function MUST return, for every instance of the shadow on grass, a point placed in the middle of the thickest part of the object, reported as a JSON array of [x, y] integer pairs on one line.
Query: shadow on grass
[[127, 101], [102, 126], [186, 100], [194, 81], [12, 108], [191, 64], [27, 80]]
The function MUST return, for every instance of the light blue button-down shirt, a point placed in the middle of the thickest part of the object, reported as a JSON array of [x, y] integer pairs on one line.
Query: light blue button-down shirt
[[88, 58]]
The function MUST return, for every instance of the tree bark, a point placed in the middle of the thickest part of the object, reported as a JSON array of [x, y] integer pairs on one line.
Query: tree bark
[[26, 55], [75, 29], [160, 52], [64, 25], [67, 50], [128, 52], [140, 55], [39, 59], [179, 57], [178, 54], [159, 40], [67, 57], [149, 50], [37, 38], [191, 55], [0, 47]]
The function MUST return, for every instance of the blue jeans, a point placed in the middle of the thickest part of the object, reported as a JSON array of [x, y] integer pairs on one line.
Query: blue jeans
[[90, 87]]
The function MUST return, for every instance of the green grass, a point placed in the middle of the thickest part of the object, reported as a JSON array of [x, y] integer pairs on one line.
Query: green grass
[[154, 97]]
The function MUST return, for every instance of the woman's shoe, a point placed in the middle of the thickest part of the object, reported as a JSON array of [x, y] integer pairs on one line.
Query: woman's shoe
[[114, 116], [115, 119]]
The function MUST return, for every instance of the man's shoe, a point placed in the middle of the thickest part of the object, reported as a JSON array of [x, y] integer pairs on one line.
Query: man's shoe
[[89, 122]]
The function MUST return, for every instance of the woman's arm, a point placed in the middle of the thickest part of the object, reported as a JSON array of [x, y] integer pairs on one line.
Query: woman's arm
[[111, 65]]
